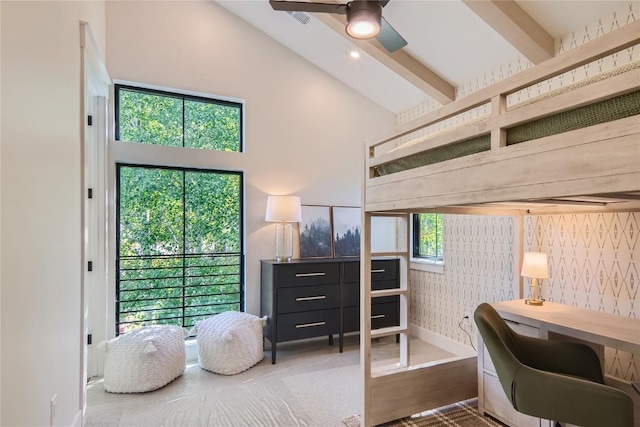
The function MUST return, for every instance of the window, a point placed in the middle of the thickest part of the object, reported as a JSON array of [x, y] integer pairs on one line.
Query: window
[[428, 242], [164, 118], [178, 247]]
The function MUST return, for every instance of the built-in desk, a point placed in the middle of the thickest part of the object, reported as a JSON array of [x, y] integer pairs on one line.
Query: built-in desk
[[558, 322]]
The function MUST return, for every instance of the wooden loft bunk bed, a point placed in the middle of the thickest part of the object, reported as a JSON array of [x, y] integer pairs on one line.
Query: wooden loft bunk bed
[[575, 149]]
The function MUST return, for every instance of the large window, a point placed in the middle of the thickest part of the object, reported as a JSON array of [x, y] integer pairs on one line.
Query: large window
[[179, 250], [179, 245], [428, 232], [164, 118]]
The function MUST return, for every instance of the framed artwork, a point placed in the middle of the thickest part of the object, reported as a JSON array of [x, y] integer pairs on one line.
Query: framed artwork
[[346, 231], [315, 232]]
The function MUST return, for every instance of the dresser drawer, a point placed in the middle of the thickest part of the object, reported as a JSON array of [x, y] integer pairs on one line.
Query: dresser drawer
[[308, 298], [351, 319], [307, 274], [380, 270], [384, 270], [496, 403], [384, 315], [317, 323], [384, 284]]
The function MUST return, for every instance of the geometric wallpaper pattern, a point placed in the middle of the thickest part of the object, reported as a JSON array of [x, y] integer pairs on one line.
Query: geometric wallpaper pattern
[[479, 266], [594, 264]]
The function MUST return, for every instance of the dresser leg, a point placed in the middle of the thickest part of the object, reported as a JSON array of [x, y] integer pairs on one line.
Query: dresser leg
[[331, 339], [273, 353]]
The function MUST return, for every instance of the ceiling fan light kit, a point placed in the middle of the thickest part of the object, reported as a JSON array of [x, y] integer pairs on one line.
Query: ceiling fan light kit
[[363, 19]]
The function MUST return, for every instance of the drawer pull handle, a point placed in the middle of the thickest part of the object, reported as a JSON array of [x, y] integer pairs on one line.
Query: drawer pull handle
[[311, 298], [309, 325], [378, 316], [310, 274], [380, 270]]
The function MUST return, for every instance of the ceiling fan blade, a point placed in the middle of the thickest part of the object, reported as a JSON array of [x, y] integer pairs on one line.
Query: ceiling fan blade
[[389, 37], [304, 6]]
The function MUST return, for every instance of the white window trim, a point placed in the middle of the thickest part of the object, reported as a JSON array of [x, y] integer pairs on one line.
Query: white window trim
[[428, 265]]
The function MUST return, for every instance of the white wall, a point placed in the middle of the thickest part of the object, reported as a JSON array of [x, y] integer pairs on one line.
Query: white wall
[[304, 129], [40, 201]]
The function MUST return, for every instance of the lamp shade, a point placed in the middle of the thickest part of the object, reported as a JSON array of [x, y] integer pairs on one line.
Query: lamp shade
[[534, 264], [283, 209]]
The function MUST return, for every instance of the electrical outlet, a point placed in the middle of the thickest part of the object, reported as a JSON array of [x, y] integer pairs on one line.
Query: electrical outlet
[[53, 409], [466, 319]]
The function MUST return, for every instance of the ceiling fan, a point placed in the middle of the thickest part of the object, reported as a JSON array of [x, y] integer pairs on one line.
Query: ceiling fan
[[364, 19]]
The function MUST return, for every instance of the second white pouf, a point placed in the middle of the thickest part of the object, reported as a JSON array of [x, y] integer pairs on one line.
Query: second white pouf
[[229, 342]]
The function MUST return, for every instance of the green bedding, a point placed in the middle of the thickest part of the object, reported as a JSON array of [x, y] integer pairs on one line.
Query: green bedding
[[612, 109]]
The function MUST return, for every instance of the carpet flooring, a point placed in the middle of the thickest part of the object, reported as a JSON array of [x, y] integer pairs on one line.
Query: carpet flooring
[[312, 384], [461, 414]]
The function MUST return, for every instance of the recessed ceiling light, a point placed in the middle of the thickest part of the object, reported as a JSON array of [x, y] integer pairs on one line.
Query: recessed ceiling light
[[354, 54]]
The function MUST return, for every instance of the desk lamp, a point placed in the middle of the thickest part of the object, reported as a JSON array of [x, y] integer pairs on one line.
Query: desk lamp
[[534, 265], [284, 210]]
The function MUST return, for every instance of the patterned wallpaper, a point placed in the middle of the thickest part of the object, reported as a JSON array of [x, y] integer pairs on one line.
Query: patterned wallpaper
[[592, 265], [480, 265], [591, 256]]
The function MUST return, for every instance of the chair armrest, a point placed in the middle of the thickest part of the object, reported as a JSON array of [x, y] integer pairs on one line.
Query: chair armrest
[[570, 400], [561, 357]]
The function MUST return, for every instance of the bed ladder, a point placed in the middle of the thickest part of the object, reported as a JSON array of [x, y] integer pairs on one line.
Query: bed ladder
[[399, 222]]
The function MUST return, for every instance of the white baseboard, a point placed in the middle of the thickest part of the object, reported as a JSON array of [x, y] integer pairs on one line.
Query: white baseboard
[[441, 341]]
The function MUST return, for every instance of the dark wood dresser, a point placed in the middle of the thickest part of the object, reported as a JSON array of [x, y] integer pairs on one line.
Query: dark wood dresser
[[308, 298]]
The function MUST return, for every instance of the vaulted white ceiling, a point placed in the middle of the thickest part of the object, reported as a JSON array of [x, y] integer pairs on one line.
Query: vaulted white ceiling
[[450, 42]]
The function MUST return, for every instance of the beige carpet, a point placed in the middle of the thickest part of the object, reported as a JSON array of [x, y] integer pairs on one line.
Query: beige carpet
[[461, 414], [311, 385]]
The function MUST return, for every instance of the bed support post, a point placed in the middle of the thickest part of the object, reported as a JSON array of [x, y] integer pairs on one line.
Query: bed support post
[[498, 135], [520, 244]]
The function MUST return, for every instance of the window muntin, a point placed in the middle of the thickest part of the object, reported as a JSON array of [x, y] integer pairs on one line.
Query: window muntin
[[428, 236], [164, 118]]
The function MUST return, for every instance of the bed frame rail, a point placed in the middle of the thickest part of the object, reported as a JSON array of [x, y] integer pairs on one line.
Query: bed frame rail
[[584, 161]]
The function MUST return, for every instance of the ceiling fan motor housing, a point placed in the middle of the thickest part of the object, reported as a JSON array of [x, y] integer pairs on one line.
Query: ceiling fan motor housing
[[363, 13]]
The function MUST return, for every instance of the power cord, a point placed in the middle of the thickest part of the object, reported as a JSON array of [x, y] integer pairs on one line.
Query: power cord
[[467, 332]]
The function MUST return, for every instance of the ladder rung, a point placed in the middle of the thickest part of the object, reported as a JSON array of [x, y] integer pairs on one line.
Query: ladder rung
[[385, 332], [388, 292]]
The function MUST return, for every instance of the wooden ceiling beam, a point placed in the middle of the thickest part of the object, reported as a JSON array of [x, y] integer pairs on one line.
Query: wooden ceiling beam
[[515, 26], [400, 61]]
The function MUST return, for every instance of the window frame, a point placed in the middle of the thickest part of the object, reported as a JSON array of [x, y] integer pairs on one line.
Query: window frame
[[179, 95], [241, 254], [434, 264]]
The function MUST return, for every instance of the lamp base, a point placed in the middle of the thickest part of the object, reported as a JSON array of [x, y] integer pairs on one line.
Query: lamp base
[[533, 302], [283, 259]]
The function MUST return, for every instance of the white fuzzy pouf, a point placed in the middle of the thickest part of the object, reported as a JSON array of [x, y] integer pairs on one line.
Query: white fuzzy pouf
[[144, 359], [229, 342]]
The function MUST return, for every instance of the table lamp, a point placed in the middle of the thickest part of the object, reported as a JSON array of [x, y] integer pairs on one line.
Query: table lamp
[[284, 210], [534, 265]]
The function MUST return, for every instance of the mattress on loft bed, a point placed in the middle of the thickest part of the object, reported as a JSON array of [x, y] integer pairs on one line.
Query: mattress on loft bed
[[601, 112]]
